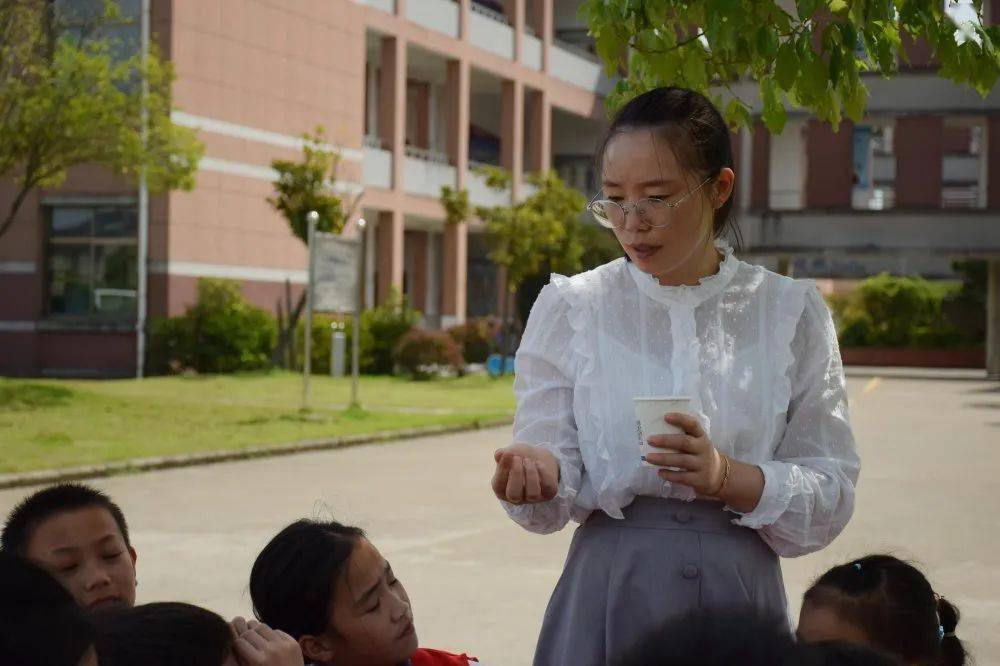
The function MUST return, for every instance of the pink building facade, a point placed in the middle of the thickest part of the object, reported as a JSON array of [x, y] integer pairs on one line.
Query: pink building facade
[[414, 95]]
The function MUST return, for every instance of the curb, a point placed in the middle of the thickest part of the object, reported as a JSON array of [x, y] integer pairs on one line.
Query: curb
[[48, 476], [947, 374]]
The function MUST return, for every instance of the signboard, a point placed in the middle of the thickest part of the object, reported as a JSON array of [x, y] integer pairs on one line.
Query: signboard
[[335, 281]]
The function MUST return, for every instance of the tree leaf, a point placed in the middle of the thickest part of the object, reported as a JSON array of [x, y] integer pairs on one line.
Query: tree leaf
[[774, 115], [854, 100], [737, 114], [694, 69], [836, 65], [786, 66], [766, 42], [806, 8]]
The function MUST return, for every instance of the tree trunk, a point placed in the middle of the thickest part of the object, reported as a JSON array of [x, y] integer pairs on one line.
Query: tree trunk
[[15, 206], [286, 338]]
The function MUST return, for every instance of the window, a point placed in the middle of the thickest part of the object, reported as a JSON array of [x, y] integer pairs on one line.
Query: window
[[962, 164], [91, 261], [578, 172], [874, 167], [84, 19]]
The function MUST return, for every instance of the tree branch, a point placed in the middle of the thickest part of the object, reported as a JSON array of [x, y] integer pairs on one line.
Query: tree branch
[[15, 206], [682, 43]]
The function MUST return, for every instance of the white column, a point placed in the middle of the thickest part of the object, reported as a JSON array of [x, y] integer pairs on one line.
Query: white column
[[433, 277]]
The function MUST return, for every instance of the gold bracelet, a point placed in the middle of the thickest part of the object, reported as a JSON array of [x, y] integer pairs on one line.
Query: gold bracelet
[[725, 475]]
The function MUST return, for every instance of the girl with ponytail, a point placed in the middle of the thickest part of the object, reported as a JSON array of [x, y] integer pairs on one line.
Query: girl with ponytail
[[887, 604]]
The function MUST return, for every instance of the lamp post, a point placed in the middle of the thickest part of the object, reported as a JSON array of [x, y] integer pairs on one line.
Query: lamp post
[[360, 303], [312, 217]]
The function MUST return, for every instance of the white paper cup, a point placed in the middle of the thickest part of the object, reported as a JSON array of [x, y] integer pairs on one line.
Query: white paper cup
[[650, 413]]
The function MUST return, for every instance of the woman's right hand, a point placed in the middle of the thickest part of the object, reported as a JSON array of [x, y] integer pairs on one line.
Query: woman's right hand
[[525, 474]]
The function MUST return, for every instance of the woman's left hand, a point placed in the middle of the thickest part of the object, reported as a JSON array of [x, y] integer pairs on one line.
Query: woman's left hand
[[692, 452]]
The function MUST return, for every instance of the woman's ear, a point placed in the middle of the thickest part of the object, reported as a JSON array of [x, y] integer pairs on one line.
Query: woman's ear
[[316, 649], [723, 189]]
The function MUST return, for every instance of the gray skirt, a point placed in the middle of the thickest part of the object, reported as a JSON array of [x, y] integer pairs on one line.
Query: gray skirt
[[624, 578]]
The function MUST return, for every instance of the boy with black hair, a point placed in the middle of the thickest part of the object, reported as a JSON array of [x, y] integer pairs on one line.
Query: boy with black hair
[[80, 537]]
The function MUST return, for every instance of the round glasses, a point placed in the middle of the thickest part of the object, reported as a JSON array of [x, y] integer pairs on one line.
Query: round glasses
[[653, 212]]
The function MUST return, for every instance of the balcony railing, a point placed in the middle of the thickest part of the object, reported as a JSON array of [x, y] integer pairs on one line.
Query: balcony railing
[[574, 65], [427, 171], [480, 194], [490, 31], [426, 155], [377, 166], [531, 52], [489, 13], [439, 15], [385, 5]]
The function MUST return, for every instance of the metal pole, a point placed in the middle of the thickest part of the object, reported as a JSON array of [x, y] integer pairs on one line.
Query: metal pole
[[142, 259], [359, 305], [993, 318], [333, 348], [312, 218]]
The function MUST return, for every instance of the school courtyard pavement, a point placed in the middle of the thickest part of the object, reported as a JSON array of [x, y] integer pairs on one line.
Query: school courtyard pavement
[[929, 492]]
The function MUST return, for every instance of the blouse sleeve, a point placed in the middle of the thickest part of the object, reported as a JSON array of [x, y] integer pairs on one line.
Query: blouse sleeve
[[543, 386], [809, 486]]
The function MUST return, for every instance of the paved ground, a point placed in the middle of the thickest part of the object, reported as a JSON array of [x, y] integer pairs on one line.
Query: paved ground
[[928, 492]]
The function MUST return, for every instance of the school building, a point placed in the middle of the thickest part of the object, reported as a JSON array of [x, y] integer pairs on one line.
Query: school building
[[414, 94]]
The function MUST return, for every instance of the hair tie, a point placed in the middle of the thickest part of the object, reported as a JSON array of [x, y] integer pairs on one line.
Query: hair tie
[[941, 633], [857, 565]]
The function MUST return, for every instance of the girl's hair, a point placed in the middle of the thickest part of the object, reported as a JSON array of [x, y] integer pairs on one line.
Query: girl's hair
[[695, 131], [744, 637], [293, 579], [162, 634], [41, 622], [895, 606]]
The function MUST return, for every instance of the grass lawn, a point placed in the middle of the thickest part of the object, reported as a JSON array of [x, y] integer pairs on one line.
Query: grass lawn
[[60, 423]]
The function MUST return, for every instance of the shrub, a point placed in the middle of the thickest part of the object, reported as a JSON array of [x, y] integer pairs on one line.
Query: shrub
[[171, 345], [221, 332], [323, 337], [475, 338], [386, 325], [889, 311], [382, 327], [419, 351], [897, 306]]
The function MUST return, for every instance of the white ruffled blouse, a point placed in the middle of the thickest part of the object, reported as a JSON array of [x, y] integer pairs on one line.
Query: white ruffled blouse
[[756, 351]]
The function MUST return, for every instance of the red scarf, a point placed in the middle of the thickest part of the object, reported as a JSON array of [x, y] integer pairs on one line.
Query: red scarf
[[425, 657]]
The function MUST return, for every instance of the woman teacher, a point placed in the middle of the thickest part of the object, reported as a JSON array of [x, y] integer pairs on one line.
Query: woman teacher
[[766, 465]]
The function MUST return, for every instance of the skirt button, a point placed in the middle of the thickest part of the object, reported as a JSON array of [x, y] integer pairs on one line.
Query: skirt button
[[690, 571]]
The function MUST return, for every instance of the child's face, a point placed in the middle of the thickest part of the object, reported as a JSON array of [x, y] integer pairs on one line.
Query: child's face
[[84, 550], [372, 621], [819, 624]]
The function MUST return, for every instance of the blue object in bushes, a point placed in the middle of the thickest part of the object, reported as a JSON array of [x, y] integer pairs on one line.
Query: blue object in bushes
[[496, 366]]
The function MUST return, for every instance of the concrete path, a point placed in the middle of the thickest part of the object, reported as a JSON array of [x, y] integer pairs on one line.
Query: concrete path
[[479, 584]]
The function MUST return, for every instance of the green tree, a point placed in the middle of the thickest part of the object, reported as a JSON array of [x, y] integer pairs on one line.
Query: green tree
[[598, 245], [527, 235], [70, 96], [310, 184], [456, 204], [813, 57], [303, 186]]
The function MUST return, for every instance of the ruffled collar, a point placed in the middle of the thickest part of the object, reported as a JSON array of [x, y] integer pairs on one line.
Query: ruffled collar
[[689, 295]]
